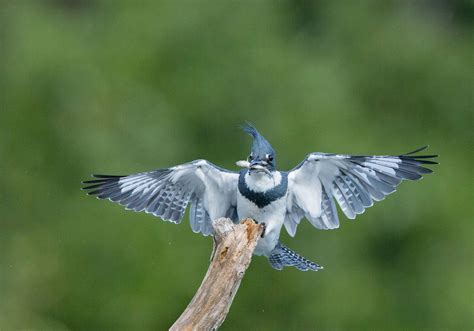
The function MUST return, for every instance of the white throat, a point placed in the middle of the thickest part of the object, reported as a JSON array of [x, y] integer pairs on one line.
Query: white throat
[[261, 182]]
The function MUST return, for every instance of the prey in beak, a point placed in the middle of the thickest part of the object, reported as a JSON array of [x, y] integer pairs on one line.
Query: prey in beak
[[254, 165]]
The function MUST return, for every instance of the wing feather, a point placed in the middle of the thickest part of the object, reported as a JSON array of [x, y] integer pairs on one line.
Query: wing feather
[[329, 215]]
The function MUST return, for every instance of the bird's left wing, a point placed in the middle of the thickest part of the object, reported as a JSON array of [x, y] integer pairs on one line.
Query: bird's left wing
[[165, 193], [354, 181]]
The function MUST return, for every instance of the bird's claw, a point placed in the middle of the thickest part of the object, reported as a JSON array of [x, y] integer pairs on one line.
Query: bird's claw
[[264, 226]]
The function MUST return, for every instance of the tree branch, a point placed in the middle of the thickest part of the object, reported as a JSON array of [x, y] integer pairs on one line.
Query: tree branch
[[232, 253]]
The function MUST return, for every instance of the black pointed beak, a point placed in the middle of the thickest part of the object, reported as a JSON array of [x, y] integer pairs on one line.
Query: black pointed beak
[[260, 165], [256, 163]]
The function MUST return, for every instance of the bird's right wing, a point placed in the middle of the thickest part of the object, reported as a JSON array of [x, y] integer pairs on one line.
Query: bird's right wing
[[165, 193]]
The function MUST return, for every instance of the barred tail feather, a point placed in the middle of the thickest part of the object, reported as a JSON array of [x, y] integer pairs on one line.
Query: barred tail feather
[[281, 256]]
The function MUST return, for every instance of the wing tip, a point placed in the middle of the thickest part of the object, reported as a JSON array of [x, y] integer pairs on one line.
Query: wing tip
[[421, 159], [417, 150], [410, 154], [100, 179]]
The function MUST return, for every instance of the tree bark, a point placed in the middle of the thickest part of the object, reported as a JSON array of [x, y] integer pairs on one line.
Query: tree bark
[[231, 256]]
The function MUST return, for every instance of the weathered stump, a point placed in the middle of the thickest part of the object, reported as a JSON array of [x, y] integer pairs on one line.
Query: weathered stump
[[232, 253]]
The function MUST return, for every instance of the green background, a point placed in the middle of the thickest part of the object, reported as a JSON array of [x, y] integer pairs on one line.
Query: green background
[[122, 86]]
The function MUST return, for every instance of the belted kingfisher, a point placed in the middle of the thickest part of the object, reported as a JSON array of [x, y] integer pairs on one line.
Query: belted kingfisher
[[261, 192]]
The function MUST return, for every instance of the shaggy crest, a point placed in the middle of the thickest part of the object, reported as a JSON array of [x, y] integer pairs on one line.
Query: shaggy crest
[[260, 147]]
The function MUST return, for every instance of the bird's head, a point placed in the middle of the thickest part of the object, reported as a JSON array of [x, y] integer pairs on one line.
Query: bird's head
[[262, 154]]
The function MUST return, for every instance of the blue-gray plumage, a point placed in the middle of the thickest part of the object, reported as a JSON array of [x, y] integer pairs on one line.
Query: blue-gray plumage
[[260, 191]]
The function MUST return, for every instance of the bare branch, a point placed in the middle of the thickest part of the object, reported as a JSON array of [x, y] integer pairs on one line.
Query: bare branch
[[232, 253]]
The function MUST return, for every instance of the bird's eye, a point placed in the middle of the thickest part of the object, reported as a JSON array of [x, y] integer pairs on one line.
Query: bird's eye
[[270, 157], [250, 158]]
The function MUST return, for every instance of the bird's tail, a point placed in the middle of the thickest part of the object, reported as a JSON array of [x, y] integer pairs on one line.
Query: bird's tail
[[281, 256]]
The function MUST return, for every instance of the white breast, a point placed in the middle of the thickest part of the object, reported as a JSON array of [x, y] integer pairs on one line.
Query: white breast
[[273, 215], [260, 181]]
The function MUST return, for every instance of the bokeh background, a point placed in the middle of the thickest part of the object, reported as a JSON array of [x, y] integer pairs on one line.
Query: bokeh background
[[122, 86]]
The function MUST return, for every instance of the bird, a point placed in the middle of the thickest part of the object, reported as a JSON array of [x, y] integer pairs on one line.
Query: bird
[[269, 196]]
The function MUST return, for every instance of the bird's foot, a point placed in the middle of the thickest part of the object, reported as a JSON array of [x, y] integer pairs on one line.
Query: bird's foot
[[264, 226]]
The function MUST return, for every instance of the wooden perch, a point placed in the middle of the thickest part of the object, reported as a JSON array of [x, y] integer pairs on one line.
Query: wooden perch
[[232, 253]]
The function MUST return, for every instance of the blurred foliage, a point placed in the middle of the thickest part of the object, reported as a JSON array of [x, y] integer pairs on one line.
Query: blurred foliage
[[122, 87]]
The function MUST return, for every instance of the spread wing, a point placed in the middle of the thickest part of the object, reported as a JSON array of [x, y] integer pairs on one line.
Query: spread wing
[[355, 182], [166, 193]]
